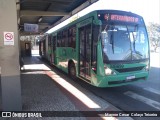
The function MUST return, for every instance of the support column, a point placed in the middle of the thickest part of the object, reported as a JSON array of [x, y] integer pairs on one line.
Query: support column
[[9, 57]]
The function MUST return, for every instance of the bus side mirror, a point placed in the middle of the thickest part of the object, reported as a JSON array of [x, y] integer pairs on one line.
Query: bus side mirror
[[104, 34]]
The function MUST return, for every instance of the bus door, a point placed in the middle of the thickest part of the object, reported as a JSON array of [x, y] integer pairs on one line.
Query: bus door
[[85, 51]]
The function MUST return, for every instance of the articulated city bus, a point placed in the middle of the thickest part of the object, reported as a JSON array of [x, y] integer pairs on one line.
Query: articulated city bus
[[105, 48]]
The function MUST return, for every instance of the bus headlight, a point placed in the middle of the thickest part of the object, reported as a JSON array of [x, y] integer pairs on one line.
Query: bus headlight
[[108, 71], [147, 68]]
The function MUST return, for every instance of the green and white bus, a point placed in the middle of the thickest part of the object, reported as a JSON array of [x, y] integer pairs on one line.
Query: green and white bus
[[105, 48]]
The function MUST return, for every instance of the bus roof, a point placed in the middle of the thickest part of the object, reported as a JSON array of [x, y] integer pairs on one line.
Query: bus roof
[[98, 12], [118, 12]]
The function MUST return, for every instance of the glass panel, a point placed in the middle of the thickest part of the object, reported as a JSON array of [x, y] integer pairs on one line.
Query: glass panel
[[96, 29], [123, 42], [85, 38], [140, 44]]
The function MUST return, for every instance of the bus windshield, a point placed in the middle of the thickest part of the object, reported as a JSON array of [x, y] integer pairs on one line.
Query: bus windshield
[[124, 42]]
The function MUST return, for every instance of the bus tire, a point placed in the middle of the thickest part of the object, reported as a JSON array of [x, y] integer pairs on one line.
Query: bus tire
[[72, 71]]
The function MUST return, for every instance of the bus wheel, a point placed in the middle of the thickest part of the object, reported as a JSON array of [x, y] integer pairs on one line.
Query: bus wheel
[[72, 70]]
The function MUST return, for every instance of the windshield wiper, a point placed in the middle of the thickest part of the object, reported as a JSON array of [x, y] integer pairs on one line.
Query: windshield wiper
[[137, 52], [134, 46]]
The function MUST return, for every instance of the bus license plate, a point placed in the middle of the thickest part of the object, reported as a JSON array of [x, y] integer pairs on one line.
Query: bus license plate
[[130, 77]]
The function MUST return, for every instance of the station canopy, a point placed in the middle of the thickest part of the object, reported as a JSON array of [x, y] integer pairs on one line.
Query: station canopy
[[38, 16]]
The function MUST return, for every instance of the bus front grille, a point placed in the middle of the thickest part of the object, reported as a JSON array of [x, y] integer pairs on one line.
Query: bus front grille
[[129, 69], [124, 81]]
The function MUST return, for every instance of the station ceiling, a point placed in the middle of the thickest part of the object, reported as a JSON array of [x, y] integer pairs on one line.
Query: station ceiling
[[48, 13]]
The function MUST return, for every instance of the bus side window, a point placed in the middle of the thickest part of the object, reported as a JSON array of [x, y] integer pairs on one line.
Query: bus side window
[[69, 37], [65, 37], [62, 39], [54, 43], [72, 37], [59, 40]]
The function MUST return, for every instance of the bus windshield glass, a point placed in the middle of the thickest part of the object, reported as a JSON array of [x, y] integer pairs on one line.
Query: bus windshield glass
[[124, 42]]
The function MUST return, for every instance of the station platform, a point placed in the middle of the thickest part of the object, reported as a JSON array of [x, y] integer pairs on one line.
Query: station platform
[[45, 88]]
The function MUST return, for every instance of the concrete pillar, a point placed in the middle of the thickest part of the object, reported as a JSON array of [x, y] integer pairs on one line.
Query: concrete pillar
[[9, 57]]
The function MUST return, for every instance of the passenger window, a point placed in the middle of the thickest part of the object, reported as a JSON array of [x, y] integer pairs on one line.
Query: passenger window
[[59, 37], [72, 37]]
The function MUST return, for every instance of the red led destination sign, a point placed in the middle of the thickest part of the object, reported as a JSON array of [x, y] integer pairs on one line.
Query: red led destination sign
[[124, 18]]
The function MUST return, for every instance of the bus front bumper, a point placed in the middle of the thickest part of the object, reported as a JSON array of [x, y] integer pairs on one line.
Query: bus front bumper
[[120, 79]]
